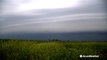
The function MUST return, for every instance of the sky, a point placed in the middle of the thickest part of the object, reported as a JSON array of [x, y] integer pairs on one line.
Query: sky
[[52, 16]]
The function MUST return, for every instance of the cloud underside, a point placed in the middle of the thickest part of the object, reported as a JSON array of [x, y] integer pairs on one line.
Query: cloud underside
[[90, 16], [59, 24]]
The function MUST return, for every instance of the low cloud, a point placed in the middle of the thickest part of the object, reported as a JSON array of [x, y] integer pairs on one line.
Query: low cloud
[[89, 16]]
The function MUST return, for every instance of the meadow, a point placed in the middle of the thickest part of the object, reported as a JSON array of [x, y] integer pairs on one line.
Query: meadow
[[11, 49]]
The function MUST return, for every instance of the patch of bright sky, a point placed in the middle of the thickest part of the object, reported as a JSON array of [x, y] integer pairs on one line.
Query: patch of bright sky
[[47, 4]]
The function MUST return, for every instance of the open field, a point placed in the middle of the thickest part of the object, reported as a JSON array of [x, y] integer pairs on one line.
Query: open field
[[51, 50]]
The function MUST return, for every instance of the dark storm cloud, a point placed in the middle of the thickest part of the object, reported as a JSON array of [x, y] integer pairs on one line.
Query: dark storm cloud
[[82, 22], [11, 19]]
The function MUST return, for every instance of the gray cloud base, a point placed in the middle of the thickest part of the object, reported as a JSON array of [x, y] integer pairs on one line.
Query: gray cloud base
[[90, 16]]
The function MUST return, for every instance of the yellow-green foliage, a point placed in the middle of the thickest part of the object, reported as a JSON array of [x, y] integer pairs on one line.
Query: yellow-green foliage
[[50, 50]]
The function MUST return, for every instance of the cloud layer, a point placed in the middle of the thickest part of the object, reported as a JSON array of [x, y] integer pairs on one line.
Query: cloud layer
[[89, 15]]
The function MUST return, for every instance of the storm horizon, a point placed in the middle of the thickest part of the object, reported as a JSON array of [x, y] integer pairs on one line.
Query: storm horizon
[[53, 19]]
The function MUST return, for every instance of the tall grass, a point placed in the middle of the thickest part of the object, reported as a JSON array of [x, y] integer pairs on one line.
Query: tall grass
[[51, 50]]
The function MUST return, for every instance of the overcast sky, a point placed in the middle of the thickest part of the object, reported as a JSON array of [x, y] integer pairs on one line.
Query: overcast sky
[[52, 16]]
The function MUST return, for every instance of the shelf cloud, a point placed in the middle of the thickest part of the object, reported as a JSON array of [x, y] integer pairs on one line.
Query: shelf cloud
[[19, 16]]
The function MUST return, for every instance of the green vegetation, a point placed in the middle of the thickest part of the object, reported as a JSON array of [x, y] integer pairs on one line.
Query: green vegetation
[[51, 50]]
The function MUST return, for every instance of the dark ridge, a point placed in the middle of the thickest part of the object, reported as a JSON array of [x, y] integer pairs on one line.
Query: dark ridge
[[73, 36]]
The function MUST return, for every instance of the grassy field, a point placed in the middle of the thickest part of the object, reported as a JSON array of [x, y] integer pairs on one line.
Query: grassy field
[[51, 50]]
